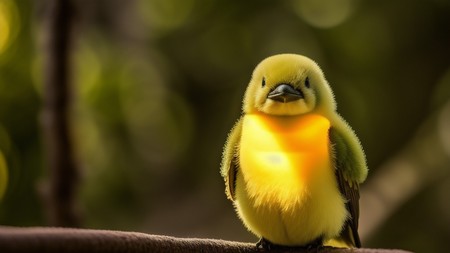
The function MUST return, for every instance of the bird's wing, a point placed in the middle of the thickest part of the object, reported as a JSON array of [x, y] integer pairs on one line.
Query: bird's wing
[[230, 163], [349, 165]]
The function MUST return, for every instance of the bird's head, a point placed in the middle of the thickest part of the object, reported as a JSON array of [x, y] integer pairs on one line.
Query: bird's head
[[286, 85]]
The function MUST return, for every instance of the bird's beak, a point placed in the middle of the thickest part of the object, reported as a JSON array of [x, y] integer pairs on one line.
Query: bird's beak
[[285, 93]]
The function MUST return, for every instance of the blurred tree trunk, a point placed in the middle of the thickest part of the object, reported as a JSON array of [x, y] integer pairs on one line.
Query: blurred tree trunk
[[63, 174]]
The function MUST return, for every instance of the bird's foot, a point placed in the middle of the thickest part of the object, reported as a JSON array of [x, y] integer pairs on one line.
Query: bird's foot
[[315, 245], [264, 244]]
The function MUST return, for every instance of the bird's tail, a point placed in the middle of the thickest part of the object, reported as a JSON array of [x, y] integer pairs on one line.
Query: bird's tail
[[345, 240]]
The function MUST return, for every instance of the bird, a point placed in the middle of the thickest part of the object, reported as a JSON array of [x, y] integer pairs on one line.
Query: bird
[[292, 165]]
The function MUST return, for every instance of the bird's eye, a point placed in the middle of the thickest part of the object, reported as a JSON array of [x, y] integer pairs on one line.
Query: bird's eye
[[263, 82], [307, 84]]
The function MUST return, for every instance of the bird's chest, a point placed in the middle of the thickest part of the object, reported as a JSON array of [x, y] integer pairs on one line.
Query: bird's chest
[[282, 157]]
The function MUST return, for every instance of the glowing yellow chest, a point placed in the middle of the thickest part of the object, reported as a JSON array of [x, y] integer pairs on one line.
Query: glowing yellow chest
[[284, 153], [286, 190]]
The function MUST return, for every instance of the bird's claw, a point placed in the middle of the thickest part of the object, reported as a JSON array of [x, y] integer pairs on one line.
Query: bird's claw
[[264, 244]]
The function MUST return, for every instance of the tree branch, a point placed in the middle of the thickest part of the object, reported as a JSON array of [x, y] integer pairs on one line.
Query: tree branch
[[62, 240], [63, 173]]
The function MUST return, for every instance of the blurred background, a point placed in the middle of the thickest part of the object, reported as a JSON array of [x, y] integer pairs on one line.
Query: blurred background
[[157, 85]]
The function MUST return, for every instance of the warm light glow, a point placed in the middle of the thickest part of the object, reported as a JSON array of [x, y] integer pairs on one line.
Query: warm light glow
[[291, 134], [287, 145]]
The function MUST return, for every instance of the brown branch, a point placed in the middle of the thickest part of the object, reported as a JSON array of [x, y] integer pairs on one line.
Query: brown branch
[[63, 174], [64, 240]]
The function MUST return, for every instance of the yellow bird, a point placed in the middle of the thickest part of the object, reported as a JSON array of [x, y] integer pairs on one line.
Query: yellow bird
[[292, 166]]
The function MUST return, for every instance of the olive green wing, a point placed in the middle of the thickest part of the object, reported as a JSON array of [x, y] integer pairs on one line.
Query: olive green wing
[[350, 191], [230, 159], [350, 170]]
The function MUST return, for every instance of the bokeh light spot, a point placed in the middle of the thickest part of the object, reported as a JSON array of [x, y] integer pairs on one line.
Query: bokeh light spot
[[89, 68], [324, 13], [3, 175], [444, 128], [4, 28], [165, 15], [9, 24]]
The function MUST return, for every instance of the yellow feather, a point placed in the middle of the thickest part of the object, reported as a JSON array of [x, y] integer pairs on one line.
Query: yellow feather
[[337, 243], [286, 189]]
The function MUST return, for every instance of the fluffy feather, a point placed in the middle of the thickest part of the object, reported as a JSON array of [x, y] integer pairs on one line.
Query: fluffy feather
[[292, 169]]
